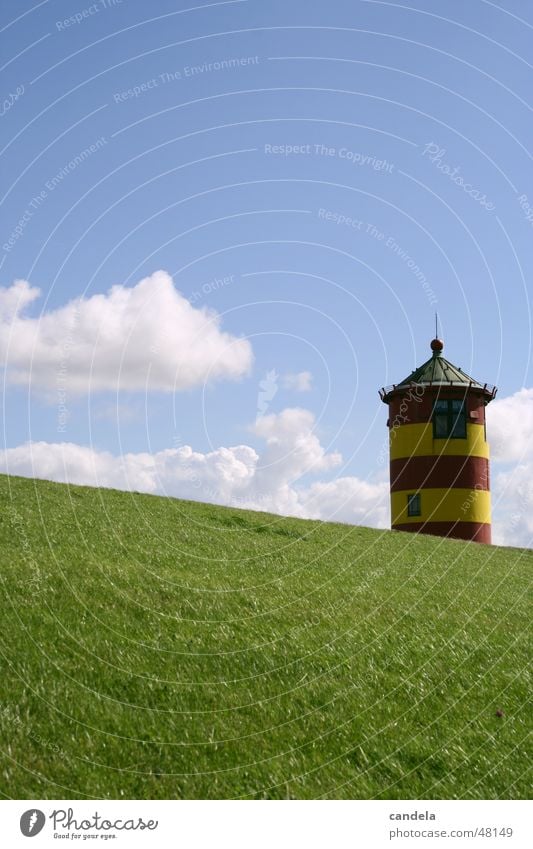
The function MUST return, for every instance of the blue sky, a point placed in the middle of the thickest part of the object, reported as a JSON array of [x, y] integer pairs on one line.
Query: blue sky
[[324, 176]]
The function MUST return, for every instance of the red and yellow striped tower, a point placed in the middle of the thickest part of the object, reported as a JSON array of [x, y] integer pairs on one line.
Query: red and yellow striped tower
[[439, 455]]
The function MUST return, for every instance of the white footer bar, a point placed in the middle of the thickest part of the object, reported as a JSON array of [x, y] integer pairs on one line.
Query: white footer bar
[[267, 824]]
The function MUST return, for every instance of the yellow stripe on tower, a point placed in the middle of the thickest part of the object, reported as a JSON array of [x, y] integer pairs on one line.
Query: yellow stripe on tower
[[416, 440], [443, 505]]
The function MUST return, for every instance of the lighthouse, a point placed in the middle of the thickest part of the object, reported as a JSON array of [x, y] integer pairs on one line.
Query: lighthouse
[[439, 454]]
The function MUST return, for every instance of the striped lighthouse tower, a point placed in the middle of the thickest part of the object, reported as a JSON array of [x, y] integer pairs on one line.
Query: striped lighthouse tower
[[439, 455]]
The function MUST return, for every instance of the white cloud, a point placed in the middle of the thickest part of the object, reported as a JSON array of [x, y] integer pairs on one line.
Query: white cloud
[[512, 493], [145, 337], [14, 299], [238, 476], [349, 499], [510, 434], [510, 426], [292, 451], [300, 381]]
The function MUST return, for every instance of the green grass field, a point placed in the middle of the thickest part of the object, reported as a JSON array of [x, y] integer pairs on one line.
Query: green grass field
[[155, 648]]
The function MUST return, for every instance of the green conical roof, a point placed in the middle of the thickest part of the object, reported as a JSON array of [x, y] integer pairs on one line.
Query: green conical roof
[[440, 372]]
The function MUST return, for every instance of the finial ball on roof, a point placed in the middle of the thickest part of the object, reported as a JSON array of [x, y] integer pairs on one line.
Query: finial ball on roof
[[437, 344]]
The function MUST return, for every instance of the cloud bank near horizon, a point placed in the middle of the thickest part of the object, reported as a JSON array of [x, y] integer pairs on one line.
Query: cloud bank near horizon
[[239, 476], [273, 478]]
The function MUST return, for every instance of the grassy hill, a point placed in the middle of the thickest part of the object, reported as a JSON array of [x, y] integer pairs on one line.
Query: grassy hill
[[164, 649]]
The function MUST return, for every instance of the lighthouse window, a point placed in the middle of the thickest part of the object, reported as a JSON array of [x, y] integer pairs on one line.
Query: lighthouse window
[[414, 507], [449, 419]]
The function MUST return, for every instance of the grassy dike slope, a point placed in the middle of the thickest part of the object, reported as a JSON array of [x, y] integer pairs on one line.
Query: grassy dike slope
[[157, 648]]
